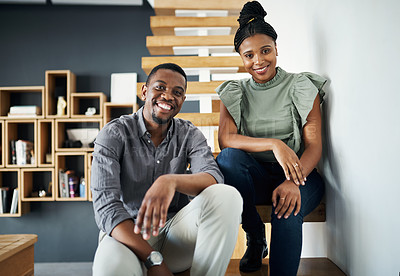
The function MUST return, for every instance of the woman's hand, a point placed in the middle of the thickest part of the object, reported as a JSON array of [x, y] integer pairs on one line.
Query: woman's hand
[[289, 162], [285, 198]]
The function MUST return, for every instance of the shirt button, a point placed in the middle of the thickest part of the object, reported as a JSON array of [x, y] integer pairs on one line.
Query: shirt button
[[158, 161], [148, 141]]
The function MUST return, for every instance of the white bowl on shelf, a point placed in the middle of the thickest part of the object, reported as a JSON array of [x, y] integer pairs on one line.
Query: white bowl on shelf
[[85, 135]]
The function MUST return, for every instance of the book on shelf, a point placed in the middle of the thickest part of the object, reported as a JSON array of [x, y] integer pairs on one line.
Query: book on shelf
[[5, 199], [14, 202], [24, 152], [25, 110], [63, 183], [22, 115], [13, 152]]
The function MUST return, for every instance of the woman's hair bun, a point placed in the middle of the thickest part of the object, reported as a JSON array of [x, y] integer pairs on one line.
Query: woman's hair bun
[[249, 11]]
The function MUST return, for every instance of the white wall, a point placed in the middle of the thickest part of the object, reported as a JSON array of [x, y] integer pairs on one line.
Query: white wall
[[356, 44]]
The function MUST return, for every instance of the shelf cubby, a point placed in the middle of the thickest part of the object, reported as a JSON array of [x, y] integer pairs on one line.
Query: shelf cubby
[[11, 178], [115, 110], [22, 96], [59, 83], [25, 129], [36, 179], [75, 161], [62, 125], [2, 144], [46, 143], [82, 101]]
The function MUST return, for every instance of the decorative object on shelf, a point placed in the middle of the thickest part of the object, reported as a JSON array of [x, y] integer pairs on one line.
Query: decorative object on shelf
[[73, 185], [24, 111], [123, 88], [85, 135], [90, 111], [82, 187], [72, 144], [61, 105]]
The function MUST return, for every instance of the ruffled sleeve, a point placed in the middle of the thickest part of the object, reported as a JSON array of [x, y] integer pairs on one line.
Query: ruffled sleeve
[[304, 92], [230, 93]]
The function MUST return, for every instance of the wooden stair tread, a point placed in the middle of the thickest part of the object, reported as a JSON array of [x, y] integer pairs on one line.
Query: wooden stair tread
[[163, 7], [317, 215], [164, 25], [149, 63], [193, 87], [163, 45], [200, 119]]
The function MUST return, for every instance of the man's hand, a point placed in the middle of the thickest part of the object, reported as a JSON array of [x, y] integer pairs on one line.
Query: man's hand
[[285, 198], [153, 210]]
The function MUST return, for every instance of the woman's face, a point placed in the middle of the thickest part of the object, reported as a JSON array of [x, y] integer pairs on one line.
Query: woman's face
[[259, 53]]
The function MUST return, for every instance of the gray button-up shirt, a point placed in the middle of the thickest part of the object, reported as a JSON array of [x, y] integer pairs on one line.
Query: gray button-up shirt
[[126, 163]]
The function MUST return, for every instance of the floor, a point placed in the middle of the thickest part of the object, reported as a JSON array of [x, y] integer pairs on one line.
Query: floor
[[308, 267]]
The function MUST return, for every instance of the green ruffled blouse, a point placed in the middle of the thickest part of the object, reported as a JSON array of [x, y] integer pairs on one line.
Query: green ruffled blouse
[[275, 109]]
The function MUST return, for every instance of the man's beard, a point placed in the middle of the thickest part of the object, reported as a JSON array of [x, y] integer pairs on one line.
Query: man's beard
[[159, 120]]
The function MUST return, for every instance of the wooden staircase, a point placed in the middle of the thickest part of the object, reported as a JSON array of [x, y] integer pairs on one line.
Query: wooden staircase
[[203, 46]]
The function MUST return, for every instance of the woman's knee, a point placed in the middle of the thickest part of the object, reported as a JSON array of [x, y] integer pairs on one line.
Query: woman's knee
[[229, 157]]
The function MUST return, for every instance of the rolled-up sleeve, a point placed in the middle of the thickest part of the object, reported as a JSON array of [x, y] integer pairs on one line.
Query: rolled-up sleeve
[[200, 156], [105, 180]]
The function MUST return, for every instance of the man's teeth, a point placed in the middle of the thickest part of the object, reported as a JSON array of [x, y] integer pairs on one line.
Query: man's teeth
[[164, 106]]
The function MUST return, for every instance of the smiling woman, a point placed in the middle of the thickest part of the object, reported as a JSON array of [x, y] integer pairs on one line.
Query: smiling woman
[[270, 136]]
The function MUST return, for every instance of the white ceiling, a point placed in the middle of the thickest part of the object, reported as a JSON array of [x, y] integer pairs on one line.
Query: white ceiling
[[77, 2]]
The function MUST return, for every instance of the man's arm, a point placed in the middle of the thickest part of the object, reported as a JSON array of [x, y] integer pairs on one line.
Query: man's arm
[[154, 208], [205, 172], [124, 233]]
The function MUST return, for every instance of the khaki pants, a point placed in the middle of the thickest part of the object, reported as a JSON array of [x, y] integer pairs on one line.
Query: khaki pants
[[201, 236]]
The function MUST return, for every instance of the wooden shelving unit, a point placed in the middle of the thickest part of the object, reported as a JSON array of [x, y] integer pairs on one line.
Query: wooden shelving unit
[[34, 180], [115, 110], [23, 129], [59, 83], [76, 161], [23, 95], [48, 132], [2, 144], [82, 101]]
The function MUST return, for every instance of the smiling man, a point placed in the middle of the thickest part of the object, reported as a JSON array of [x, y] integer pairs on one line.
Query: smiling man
[[141, 187]]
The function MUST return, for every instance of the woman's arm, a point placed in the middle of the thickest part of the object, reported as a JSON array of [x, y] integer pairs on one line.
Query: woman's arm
[[311, 155], [229, 138], [312, 138]]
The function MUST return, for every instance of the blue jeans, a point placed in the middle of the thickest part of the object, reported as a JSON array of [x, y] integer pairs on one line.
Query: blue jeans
[[255, 181]]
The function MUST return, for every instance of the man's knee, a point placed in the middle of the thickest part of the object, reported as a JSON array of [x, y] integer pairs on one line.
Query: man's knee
[[114, 258], [225, 198]]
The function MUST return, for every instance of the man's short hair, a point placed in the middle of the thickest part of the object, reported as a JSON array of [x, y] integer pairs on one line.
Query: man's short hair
[[169, 66]]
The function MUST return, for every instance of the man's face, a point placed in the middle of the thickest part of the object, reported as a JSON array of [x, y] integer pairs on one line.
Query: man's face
[[164, 96]]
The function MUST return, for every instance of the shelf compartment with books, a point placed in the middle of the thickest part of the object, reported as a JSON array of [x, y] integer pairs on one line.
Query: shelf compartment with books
[[2, 144], [59, 83], [72, 130], [9, 180], [25, 101], [70, 161], [89, 162], [115, 110], [46, 143], [23, 133], [82, 102], [37, 184]]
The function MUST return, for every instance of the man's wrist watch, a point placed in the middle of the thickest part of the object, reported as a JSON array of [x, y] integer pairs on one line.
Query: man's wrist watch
[[155, 258]]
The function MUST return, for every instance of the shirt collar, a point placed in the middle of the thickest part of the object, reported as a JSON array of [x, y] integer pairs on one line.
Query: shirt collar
[[142, 126]]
